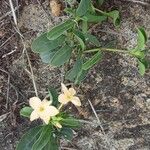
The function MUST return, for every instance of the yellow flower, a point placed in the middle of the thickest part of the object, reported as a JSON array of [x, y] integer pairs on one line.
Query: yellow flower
[[68, 95], [42, 109]]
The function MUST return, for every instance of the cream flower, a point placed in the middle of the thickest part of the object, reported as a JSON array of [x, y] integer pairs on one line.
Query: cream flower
[[68, 95], [42, 109]]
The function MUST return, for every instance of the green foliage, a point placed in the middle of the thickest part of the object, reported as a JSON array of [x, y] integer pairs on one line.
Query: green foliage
[[29, 138], [61, 56], [70, 122], [53, 96], [72, 39], [91, 62], [60, 29], [26, 111], [84, 6], [43, 44], [44, 138]]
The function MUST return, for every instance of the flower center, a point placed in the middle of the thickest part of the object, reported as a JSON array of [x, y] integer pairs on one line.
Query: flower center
[[41, 109], [69, 96]]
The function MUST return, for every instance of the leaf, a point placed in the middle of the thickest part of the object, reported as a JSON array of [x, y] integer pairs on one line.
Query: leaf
[[67, 133], [80, 37], [142, 38], [84, 6], [142, 68], [72, 74], [91, 62], [61, 56], [47, 56], [43, 44], [58, 30], [137, 53], [53, 96], [81, 76], [70, 122], [29, 138], [95, 18], [52, 143], [43, 139], [93, 39], [84, 26], [26, 111], [115, 16]]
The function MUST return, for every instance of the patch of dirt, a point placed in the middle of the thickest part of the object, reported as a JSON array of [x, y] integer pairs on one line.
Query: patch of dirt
[[120, 96]]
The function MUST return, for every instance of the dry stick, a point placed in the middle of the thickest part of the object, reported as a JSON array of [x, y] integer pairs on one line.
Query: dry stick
[[7, 40], [137, 1], [99, 123], [29, 62], [32, 74], [8, 13], [13, 12], [8, 83]]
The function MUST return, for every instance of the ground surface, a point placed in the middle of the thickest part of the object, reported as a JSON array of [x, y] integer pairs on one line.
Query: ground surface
[[119, 94]]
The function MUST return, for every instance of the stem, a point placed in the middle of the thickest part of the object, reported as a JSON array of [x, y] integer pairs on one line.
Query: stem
[[100, 11], [61, 105], [106, 49]]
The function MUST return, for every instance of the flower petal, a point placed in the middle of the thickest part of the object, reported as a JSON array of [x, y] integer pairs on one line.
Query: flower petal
[[76, 101], [64, 88], [51, 111], [62, 99], [34, 102], [45, 103], [46, 119], [72, 91], [34, 115]]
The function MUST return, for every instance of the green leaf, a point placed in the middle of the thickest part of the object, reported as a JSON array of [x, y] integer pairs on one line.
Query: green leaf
[[84, 26], [115, 16], [67, 133], [80, 37], [93, 39], [52, 144], [53, 96], [142, 68], [84, 6], [95, 18], [29, 138], [70, 122], [61, 56], [43, 44], [91, 62], [137, 53], [43, 139], [58, 30], [142, 38], [81, 76], [72, 74], [26, 111], [47, 56]]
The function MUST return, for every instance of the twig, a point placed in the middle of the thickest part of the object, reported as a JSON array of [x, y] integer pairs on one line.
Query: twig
[[99, 123], [13, 12], [29, 62], [7, 40], [8, 83], [137, 1], [8, 53], [67, 148], [32, 74], [8, 13]]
